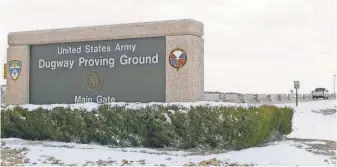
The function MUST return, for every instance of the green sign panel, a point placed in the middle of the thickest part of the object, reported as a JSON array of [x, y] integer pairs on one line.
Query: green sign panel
[[129, 70]]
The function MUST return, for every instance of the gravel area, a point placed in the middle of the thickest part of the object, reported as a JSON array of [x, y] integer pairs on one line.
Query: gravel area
[[328, 111], [319, 147], [13, 157]]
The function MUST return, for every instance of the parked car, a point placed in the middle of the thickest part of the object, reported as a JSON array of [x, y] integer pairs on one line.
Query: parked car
[[320, 93]]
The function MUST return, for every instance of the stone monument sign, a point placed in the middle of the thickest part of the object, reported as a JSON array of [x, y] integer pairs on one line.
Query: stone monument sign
[[139, 62]]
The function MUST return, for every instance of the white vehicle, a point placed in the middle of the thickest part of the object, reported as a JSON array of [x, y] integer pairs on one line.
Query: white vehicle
[[320, 93]]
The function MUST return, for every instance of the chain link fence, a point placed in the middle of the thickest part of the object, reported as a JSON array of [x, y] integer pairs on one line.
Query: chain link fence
[[244, 98]]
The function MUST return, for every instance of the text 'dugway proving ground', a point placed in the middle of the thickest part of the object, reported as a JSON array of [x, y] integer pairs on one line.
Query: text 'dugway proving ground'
[[98, 71]]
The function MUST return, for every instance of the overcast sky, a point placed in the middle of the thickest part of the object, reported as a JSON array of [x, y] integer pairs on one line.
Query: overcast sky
[[258, 46]]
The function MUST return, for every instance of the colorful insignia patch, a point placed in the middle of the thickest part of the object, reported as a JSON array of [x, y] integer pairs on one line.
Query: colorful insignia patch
[[14, 67], [177, 58]]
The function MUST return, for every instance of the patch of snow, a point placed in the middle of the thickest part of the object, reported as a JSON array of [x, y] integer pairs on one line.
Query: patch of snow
[[281, 154], [21, 142], [309, 125], [168, 119], [94, 106], [314, 142], [171, 111], [183, 111]]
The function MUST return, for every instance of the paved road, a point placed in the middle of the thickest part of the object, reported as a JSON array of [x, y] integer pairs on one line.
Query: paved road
[[286, 101]]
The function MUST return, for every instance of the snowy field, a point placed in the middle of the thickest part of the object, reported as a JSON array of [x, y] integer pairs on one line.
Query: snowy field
[[312, 143]]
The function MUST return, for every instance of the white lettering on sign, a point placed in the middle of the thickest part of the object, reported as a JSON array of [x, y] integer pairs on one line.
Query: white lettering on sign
[[107, 99], [125, 47], [85, 99], [68, 50], [53, 64], [97, 49], [125, 60], [93, 61], [96, 62], [99, 99]]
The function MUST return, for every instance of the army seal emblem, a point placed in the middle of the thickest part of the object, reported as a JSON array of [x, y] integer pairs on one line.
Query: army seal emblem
[[94, 80]]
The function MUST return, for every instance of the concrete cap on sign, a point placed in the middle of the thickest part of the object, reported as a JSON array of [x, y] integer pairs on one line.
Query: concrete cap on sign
[[108, 32]]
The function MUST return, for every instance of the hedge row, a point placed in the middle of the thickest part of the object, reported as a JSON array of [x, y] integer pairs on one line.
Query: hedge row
[[155, 126]]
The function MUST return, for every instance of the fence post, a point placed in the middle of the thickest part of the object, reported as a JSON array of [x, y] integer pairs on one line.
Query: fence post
[[269, 97], [241, 98], [255, 97]]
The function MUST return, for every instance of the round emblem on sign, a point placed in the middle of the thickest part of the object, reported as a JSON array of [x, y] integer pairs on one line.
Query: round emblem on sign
[[177, 58], [94, 80]]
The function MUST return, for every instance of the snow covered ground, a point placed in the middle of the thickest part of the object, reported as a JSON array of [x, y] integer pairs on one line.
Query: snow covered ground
[[312, 121], [312, 143], [278, 153]]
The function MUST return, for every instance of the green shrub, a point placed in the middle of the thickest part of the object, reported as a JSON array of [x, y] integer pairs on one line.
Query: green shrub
[[154, 126]]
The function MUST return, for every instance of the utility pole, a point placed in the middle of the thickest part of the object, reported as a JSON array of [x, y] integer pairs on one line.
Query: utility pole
[[296, 97], [296, 86]]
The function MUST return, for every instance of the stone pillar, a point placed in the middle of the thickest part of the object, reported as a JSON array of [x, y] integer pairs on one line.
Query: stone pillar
[[18, 88], [186, 83]]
